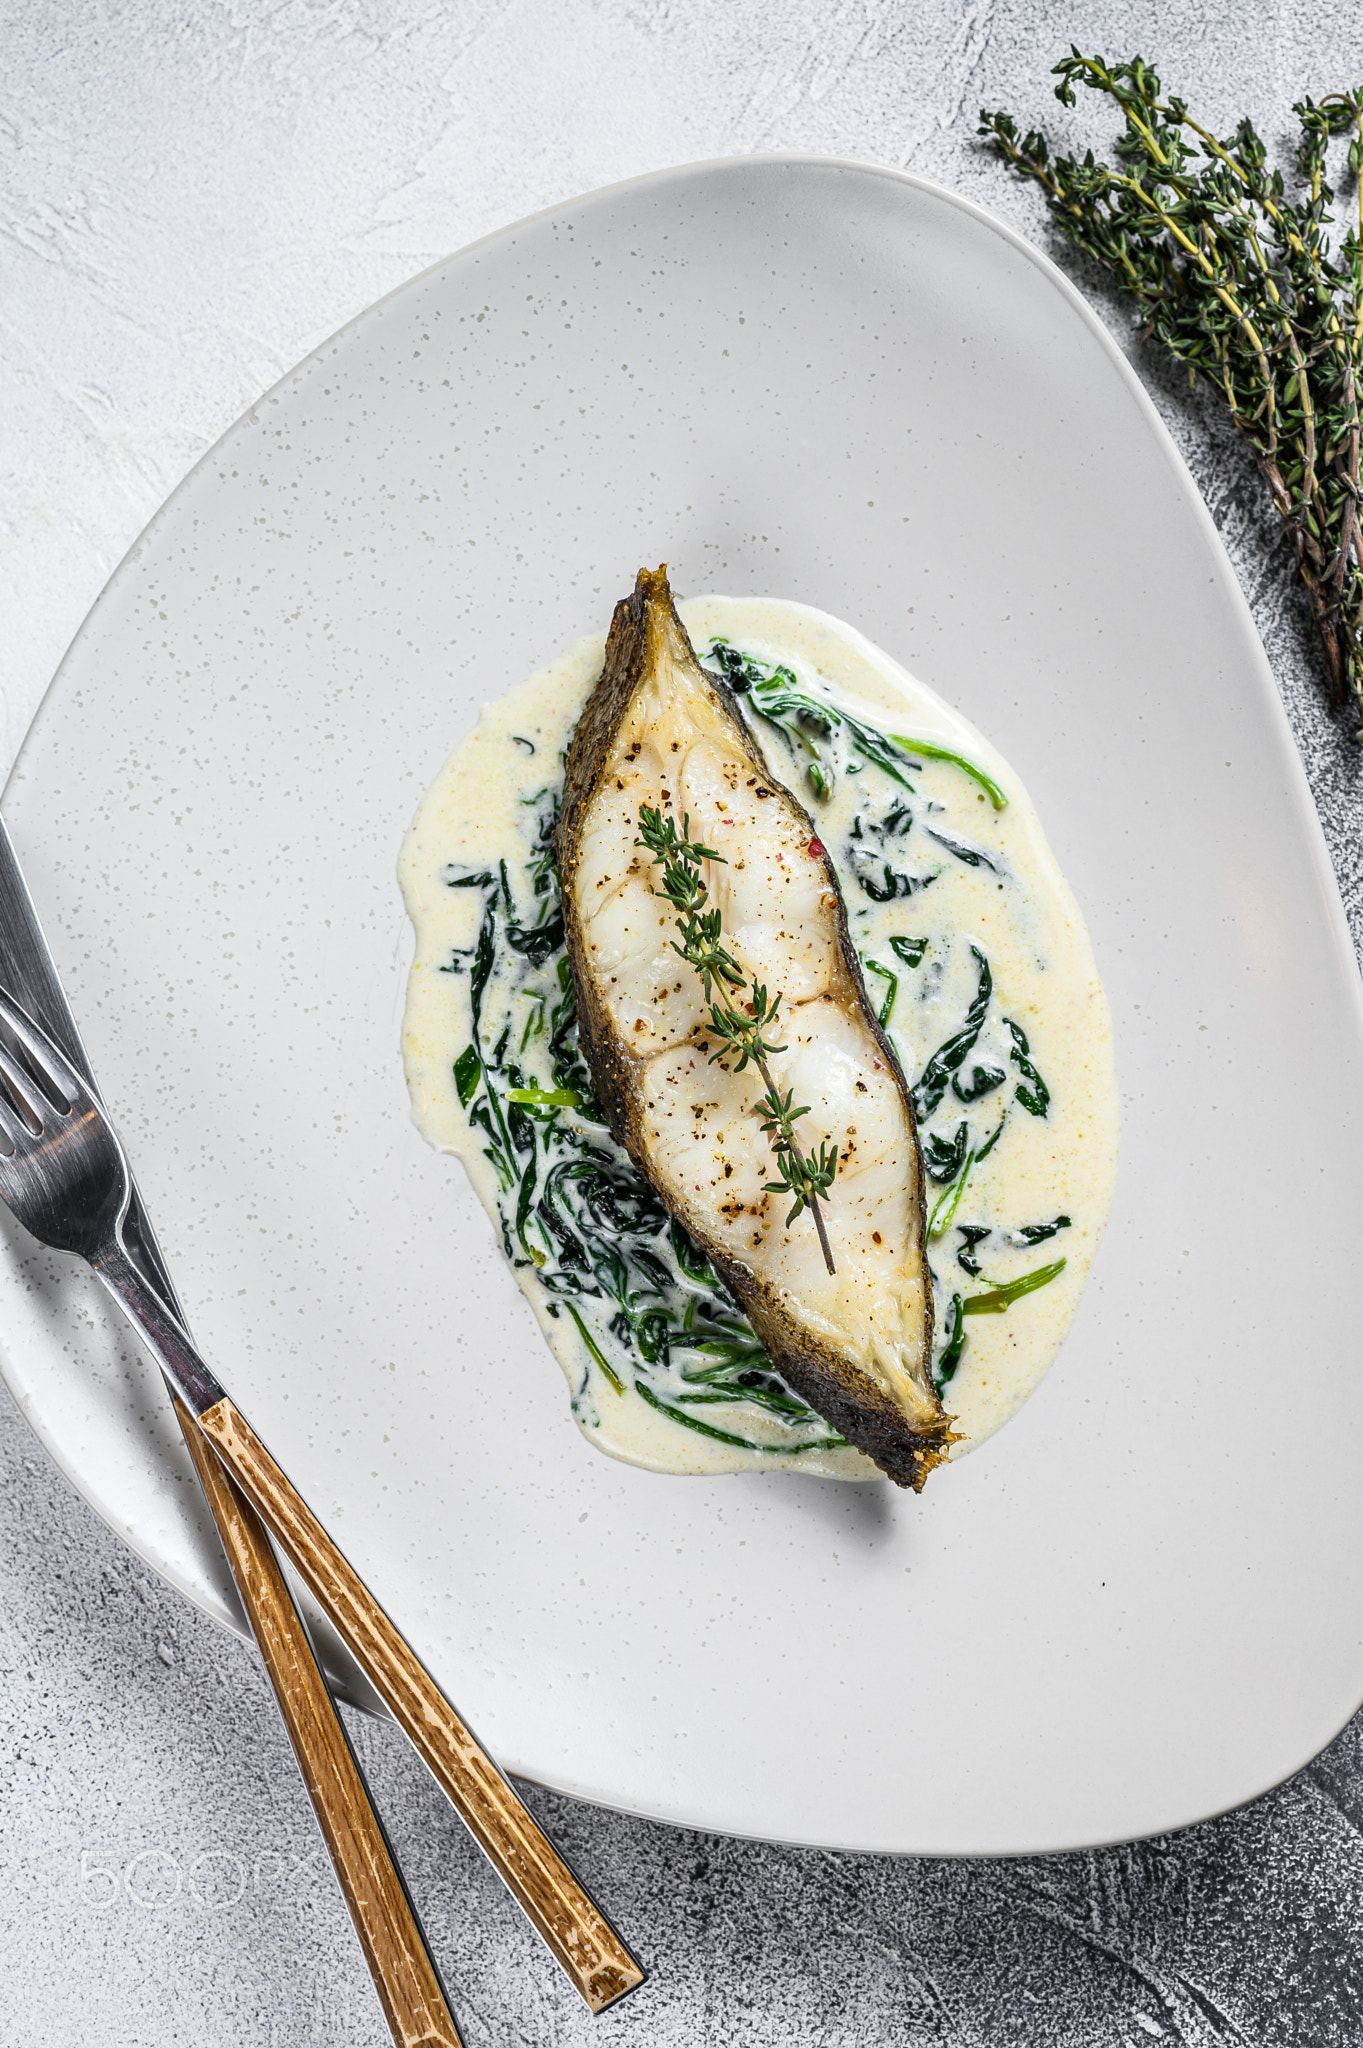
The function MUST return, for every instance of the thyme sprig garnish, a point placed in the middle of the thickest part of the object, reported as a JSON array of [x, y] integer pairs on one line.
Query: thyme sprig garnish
[[742, 1031], [1240, 282]]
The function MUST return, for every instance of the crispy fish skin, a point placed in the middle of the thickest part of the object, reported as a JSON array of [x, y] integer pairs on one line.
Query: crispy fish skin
[[871, 1377]]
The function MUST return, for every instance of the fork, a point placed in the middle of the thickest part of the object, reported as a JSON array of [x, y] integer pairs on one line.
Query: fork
[[66, 1180]]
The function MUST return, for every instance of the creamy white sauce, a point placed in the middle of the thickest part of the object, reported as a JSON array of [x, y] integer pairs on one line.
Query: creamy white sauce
[[1012, 905]]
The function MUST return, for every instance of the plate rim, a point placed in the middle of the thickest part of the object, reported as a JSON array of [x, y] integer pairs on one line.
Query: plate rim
[[1297, 789]]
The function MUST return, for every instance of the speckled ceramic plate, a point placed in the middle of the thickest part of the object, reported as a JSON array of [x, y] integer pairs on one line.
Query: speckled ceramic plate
[[1139, 1603]]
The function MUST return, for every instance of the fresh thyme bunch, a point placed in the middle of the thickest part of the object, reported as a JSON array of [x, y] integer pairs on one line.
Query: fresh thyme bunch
[[739, 1032], [1238, 281]]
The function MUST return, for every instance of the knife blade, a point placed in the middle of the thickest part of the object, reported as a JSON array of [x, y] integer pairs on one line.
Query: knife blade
[[404, 1974]]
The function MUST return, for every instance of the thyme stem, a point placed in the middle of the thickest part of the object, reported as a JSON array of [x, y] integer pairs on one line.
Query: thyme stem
[[1240, 282], [742, 1032]]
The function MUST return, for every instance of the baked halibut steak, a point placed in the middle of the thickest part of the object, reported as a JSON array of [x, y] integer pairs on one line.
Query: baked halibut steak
[[658, 730]]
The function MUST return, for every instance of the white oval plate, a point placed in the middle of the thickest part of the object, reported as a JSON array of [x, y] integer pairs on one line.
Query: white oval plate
[[1138, 1605]]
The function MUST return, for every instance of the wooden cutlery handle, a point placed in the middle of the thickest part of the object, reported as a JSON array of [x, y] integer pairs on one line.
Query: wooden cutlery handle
[[404, 1975], [588, 1948]]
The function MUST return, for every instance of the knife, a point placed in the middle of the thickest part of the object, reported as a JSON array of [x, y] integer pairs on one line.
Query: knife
[[404, 1974]]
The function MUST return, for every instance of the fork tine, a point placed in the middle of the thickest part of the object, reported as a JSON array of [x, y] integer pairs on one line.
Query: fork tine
[[13, 1128], [22, 1088], [51, 1062]]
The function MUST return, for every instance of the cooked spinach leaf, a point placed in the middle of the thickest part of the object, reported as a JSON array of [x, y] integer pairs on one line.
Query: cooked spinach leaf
[[546, 1098], [1000, 1298], [983, 1081], [948, 1203], [973, 856], [724, 1436], [595, 1350], [992, 1140], [804, 721], [542, 866], [945, 1062], [895, 884], [468, 1071], [1037, 1233], [954, 1333], [931, 752], [537, 943], [1035, 1097], [970, 1235], [878, 875], [942, 1156], [740, 1372], [874, 967]]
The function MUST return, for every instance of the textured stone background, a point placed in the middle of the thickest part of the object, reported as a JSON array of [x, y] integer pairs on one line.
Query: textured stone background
[[193, 193]]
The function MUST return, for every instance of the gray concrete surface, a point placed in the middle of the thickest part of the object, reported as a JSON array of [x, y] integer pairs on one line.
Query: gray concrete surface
[[192, 195]]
